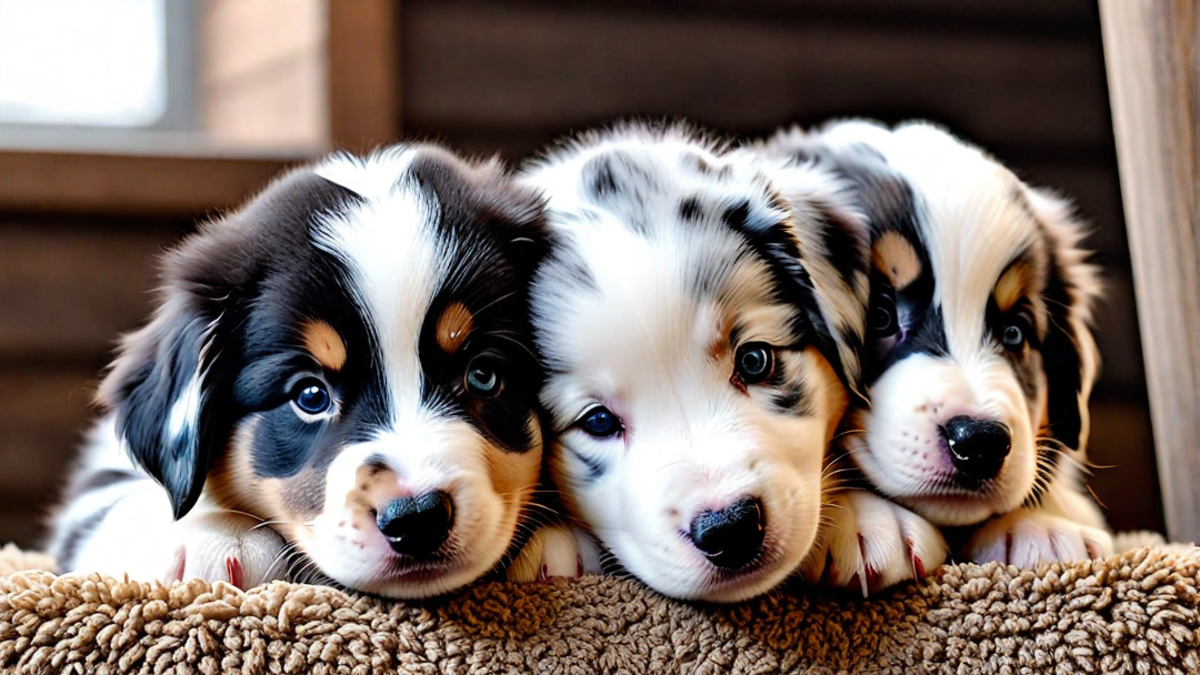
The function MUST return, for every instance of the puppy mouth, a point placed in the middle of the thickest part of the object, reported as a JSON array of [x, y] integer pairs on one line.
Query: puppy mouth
[[417, 572]]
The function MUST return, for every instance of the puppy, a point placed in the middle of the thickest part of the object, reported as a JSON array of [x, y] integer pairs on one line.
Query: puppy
[[338, 381], [979, 360], [699, 340]]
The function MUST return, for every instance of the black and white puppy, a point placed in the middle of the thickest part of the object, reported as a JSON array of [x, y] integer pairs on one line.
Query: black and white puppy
[[699, 339], [979, 359], [338, 376]]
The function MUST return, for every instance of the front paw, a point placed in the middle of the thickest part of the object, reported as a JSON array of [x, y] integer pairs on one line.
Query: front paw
[[868, 544], [1028, 538], [226, 547], [556, 551]]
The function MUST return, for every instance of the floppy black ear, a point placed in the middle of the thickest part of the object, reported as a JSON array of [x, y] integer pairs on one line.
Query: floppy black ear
[[1069, 355], [832, 239], [162, 386]]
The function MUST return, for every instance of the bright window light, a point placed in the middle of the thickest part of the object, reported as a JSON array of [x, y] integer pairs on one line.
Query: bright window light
[[91, 63]]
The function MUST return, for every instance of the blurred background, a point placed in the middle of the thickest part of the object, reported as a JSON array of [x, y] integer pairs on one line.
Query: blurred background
[[124, 122]]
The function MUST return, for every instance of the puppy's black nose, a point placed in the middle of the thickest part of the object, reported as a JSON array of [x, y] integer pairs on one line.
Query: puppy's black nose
[[977, 447], [731, 537], [417, 526]]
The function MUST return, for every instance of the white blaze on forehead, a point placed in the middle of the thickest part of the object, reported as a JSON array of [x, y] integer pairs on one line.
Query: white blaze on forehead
[[392, 245], [975, 227], [372, 177]]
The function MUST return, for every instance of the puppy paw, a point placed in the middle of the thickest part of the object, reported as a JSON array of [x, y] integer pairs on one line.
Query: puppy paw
[[139, 539], [556, 551], [225, 547], [1028, 538], [868, 544]]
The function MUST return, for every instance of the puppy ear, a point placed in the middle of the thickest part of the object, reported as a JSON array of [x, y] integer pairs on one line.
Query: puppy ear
[[833, 242], [1069, 355], [161, 386]]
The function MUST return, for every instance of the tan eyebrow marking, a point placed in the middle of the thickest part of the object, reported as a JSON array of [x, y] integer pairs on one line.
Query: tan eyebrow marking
[[325, 345], [453, 326], [719, 348], [895, 257], [1011, 286]]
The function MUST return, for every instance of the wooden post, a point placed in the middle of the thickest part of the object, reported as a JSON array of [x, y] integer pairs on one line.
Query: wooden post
[[363, 73], [1152, 49]]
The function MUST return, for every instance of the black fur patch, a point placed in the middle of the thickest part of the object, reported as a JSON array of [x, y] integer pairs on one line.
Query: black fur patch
[[794, 400], [602, 182], [1062, 363], [844, 245], [690, 209], [736, 217]]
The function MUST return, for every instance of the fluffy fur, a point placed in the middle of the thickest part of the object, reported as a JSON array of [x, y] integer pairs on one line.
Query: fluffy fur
[[979, 360], [338, 384], [679, 270]]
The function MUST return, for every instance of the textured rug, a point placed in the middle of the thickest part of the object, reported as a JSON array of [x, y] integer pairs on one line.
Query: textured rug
[[1134, 613]]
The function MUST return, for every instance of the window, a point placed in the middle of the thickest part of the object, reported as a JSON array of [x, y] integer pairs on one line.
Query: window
[[95, 64]]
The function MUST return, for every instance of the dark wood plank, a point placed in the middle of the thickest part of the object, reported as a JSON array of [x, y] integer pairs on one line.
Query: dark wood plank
[[1016, 16], [46, 413], [1124, 477], [362, 74], [23, 524], [128, 184], [66, 292], [535, 71]]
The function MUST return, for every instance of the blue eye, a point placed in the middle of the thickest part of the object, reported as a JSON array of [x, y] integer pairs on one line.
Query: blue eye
[[601, 423], [312, 397], [755, 362], [1013, 337], [482, 378]]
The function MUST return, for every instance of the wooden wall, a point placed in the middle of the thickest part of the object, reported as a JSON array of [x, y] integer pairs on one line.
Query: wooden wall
[[68, 286], [1024, 78]]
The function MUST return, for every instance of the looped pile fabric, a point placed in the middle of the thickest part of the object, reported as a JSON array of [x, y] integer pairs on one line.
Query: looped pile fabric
[[1133, 613]]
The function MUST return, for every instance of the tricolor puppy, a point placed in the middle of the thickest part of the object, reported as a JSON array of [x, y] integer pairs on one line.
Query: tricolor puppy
[[698, 342], [339, 376], [979, 360]]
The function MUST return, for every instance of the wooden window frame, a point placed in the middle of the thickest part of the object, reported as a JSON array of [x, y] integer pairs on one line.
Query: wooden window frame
[[362, 100]]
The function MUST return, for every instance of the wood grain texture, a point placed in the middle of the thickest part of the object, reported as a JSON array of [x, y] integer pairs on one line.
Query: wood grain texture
[[1151, 49], [66, 182], [532, 71], [363, 73], [67, 294], [46, 414]]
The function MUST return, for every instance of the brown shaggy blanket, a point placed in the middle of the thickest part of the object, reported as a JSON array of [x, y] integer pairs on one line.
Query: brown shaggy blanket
[[1134, 613]]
